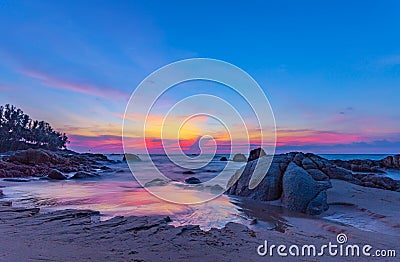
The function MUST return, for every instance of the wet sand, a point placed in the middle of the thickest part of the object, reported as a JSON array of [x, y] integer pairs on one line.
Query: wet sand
[[71, 235]]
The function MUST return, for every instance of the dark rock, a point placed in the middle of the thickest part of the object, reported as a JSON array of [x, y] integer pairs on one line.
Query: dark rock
[[302, 193], [83, 174], [36, 157], [307, 163], [1, 193], [223, 159], [270, 187], [377, 181], [318, 175], [131, 157], [255, 154], [298, 158], [68, 169], [253, 221], [95, 157], [156, 182], [391, 162], [335, 172], [318, 205], [55, 174], [188, 172], [216, 189], [239, 158], [192, 180]]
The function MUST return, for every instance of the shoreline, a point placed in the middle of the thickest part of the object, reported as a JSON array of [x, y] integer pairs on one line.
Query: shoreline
[[67, 235]]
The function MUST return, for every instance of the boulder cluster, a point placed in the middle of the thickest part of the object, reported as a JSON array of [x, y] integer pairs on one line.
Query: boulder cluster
[[300, 180], [51, 164]]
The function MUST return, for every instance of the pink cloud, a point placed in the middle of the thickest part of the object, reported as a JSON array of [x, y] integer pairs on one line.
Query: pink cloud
[[85, 88], [308, 136]]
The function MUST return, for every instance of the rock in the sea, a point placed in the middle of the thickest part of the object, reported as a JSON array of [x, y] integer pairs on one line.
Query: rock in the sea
[[156, 182], [216, 189], [192, 180], [302, 193], [256, 153], [391, 162], [83, 174], [1, 193], [223, 159], [55, 174], [189, 172], [131, 158], [239, 158]]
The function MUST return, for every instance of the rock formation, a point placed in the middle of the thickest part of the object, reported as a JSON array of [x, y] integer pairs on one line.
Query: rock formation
[[239, 158], [41, 163], [131, 157], [300, 180]]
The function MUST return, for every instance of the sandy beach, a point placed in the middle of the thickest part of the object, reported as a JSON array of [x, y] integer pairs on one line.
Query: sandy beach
[[70, 235]]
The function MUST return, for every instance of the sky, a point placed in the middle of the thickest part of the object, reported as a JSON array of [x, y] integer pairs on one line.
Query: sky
[[331, 70]]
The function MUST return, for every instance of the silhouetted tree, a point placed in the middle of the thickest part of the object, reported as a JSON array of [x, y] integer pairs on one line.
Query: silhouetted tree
[[19, 131]]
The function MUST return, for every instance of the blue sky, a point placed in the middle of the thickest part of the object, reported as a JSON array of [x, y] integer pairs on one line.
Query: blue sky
[[331, 70]]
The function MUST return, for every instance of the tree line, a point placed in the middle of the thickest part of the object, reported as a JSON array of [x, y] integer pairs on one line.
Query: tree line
[[19, 131]]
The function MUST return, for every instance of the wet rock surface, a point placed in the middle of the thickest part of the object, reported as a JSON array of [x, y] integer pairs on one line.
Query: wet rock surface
[[42, 163], [300, 180]]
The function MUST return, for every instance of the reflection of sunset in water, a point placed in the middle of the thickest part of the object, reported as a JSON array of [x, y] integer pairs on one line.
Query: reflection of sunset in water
[[114, 198]]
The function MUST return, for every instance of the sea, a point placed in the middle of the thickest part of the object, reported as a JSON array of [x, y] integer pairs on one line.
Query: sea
[[118, 193]]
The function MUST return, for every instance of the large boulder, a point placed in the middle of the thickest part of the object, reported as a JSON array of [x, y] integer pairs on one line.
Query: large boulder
[[307, 163], [131, 158], [299, 189], [269, 188], [318, 204], [57, 175], [239, 158], [256, 153], [192, 180], [83, 174], [336, 172], [302, 193], [223, 159], [392, 162]]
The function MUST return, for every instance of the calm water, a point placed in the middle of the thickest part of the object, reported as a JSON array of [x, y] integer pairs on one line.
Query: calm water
[[117, 193]]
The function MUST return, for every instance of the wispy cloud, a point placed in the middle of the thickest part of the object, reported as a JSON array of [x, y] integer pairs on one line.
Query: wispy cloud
[[51, 81], [301, 137]]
